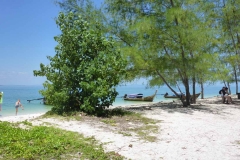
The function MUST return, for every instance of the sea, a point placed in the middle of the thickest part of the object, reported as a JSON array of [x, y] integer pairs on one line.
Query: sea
[[11, 93]]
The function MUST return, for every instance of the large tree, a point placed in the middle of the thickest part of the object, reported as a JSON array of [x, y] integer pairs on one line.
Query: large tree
[[228, 20], [85, 70], [169, 42]]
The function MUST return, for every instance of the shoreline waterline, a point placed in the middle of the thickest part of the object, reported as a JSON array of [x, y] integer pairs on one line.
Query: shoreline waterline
[[26, 115], [25, 93]]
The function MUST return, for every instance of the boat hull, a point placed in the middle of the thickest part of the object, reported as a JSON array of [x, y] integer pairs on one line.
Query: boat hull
[[191, 96], [138, 99], [166, 96], [145, 99], [171, 97], [183, 96]]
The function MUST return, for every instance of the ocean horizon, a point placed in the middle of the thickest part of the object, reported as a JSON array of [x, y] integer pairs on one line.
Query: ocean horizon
[[29, 92]]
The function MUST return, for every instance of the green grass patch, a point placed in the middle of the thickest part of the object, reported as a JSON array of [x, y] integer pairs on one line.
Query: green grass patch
[[127, 121], [145, 132], [146, 129], [112, 122], [41, 142], [133, 122], [65, 116], [125, 133], [139, 118]]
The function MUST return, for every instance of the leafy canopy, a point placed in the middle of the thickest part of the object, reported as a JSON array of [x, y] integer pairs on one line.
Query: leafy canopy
[[85, 69]]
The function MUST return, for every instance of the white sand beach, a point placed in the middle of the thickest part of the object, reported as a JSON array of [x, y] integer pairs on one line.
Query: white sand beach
[[208, 130]]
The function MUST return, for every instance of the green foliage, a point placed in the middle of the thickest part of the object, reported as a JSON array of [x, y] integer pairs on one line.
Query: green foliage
[[47, 143], [85, 70], [88, 11], [229, 38], [172, 40]]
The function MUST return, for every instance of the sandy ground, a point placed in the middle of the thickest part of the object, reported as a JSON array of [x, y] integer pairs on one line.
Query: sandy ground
[[208, 130]]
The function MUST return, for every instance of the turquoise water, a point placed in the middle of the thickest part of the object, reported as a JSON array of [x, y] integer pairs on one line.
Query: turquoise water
[[209, 91], [14, 92], [23, 92]]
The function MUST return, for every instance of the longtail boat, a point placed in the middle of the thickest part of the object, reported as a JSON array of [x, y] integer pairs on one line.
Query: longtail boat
[[139, 97]]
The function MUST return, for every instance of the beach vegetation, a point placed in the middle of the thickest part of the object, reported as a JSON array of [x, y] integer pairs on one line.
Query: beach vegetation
[[41, 142], [85, 70], [125, 133], [109, 121], [27, 123], [122, 121]]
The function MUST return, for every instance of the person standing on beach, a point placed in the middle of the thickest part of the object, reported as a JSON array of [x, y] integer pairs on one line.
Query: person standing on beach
[[1, 100], [17, 105]]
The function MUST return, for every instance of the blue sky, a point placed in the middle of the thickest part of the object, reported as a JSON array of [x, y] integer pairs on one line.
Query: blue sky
[[27, 28]]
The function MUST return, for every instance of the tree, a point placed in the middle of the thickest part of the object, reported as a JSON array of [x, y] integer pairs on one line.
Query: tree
[[85, 8], [230, 47], [93, 15], [85, 70], [169, 40]]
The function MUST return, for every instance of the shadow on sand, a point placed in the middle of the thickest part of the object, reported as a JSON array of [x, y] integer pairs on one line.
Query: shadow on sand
[[212, 105]]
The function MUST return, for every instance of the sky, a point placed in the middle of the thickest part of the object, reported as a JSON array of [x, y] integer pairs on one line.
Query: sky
[[27, 30]]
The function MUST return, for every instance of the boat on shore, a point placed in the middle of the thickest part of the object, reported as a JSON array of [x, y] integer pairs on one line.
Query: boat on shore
[[166, 95], [191, 97], [183, 96], [139, 97]]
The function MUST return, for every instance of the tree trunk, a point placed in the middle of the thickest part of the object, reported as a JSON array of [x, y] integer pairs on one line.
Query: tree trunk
[[179, 89], [224, 84], [164, 80], [186, 84], [236, 81], [229, 89], [202, 91], [194, 92]]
